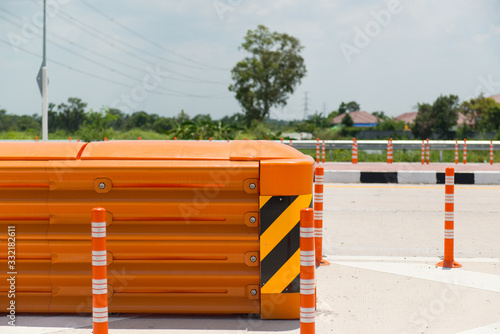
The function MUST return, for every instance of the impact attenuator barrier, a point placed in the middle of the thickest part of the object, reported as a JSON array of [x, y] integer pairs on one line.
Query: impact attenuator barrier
[[193, 227], [449, 221], [307, 273], [99, 272]]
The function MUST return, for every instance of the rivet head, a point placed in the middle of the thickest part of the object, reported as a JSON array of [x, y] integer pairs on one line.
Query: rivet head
[[253, 219], [102, 185], [253, 258], [253, 292], [252, 186]]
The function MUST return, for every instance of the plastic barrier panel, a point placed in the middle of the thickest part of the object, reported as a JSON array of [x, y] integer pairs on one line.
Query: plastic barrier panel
[[192, 227]]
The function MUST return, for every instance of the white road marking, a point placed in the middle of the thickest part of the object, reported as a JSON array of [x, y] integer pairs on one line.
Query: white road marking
[[493, 328], [408, 259], [461, 277]]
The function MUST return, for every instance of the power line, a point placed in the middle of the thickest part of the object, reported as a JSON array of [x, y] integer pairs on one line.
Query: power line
[[179, 94], [70, 19], [149, 40], [99, 34]]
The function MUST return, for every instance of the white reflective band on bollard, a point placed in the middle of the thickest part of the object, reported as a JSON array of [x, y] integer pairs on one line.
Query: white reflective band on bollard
[[307, 232], [307, 258]]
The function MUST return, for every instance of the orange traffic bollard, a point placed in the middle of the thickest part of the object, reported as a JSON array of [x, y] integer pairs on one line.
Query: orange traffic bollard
[[140, 138], [491, 152], [282, 140], [428, 151], [36, 138], [456, 152], [175, 138], [423, 152], [323, 151], [354, 157], [99, 272], [449, 220], [210, 139], [317, 150], [307, 268], [465, 151], [291, 143], [389, 151], [69, 138], [318, 215]]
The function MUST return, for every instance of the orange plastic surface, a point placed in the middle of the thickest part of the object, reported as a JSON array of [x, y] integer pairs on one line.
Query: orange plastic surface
[[179, 237]]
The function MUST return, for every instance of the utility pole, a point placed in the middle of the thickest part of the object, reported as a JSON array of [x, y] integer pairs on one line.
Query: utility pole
[[42, 79], [306, 106]]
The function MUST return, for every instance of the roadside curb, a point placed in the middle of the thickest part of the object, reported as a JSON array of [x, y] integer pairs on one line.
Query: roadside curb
[[410, 177]]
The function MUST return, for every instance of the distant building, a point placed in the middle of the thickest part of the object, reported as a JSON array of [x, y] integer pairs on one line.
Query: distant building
[[360, 119], [408, 117], [496, 98]]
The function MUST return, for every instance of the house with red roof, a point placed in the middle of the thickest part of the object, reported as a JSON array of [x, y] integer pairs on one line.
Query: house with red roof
[[360, 119]]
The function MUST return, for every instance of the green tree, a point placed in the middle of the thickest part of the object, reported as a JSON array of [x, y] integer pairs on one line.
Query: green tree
[[267, 77], [482, 113], [440, 117], [96, 126], [72, 115], [347, 121], [348, 107], [141, 120]]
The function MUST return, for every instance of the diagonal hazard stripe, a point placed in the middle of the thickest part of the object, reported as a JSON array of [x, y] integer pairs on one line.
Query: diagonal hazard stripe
[[280, 254], [294, 286], [272, 209], [284, 276], [282, 224], [263, 200]]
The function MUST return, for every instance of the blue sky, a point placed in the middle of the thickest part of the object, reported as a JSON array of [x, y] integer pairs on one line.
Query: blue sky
[[386, 55]]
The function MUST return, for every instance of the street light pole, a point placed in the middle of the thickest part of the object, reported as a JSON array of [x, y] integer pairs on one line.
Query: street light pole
[[45, 121]]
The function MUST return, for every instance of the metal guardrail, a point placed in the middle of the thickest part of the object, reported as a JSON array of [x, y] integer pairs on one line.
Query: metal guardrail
[[475, 145]]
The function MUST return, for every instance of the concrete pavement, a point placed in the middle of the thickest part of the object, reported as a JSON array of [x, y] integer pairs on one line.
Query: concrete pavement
[[383, 242]]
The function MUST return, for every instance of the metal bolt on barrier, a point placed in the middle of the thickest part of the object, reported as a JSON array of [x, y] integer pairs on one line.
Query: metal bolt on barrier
[[465, 151], [449, 220], [253, 292], [389, 151], [423, 152], [307, 268], [456, 152], [428, 151], [253, 258], [318, 215], [354, 157], [317, 150], [99, 272], [253, 219], [252, 186], [491, 152], [323, 151], [102, 185]]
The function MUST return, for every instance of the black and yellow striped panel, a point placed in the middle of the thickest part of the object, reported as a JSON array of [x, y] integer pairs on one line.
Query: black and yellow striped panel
[[280, 242]]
